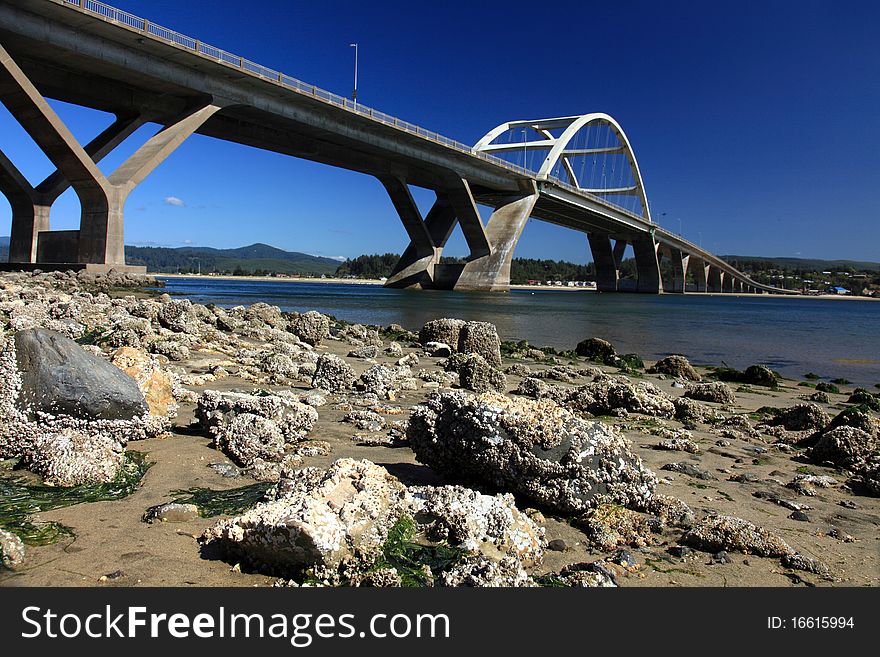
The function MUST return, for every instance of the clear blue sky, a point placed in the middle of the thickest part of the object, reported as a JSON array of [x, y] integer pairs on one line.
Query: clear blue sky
[[757, 125]]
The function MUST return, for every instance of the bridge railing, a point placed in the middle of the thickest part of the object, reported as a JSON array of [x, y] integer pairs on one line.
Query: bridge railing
[[288, 82]]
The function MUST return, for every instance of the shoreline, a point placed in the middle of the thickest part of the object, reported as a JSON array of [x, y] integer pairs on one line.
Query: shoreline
[[543, 288]]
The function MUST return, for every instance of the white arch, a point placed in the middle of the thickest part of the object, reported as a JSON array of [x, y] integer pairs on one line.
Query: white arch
[[558, 149]]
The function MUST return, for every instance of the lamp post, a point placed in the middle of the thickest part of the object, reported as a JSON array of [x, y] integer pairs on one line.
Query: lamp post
[[354, 95]]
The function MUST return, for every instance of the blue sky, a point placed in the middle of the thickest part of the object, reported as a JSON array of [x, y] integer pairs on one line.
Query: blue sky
[[756, 125]]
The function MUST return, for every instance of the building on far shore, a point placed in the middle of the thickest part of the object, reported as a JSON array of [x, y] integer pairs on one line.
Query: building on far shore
[[838, 290]]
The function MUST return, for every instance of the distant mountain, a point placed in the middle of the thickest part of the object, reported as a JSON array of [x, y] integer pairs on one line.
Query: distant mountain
[[803, 264], [256, 257]]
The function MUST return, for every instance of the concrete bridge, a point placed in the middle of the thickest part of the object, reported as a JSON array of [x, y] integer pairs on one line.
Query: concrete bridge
[[88, 53]]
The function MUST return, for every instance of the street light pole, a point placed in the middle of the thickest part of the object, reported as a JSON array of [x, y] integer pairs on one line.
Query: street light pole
[[354, 95]]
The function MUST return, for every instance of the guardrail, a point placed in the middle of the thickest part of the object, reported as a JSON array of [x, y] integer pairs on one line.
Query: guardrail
[[224, 57]]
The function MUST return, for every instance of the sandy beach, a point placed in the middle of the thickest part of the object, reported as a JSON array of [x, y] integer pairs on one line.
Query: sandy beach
[[737, 464]]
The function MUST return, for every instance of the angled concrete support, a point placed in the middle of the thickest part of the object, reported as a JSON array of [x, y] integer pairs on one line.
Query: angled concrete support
[[31, 205], [420, 262], [100, 240], [604, 261], [648, 265], [492, 272]]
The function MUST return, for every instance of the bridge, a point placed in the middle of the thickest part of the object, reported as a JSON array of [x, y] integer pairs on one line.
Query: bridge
[[579, 172]]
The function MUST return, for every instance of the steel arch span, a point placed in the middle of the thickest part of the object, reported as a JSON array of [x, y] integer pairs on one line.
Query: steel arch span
[[562, 149]]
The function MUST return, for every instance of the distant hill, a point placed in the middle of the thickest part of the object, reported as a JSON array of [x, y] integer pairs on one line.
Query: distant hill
[[247, 258], [803, 264]]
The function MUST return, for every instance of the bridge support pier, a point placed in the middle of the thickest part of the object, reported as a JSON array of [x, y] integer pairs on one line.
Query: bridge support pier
[[491, 247], [605, 261], [31, 206], [648, 265], [679, 262], [713, 279], [700, 272], [99, 243]]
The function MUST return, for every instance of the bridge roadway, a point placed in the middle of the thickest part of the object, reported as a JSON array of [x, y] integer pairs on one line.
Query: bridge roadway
[[87, 53]]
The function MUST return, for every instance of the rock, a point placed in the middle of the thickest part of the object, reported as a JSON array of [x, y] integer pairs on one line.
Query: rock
[[845, 447], [359, 335], [557, 545], [254, 429], [677, 366], [480, 571], [605, 396], [294, 418], [518, 369], [177, 315], [481, 338], [382, 381], [72, 458], [679, 445], [410, 360], [488, 525], [808, 564], [731, 534], [802, 417], [394, 350], [478, 375], [610, 526], [596, 349], [59, 377], [365, 420], [226, 470], [759, 375], [690, 470], [323, 521], [717, 392], [154, 384], [12, 552], [246, 437], [311, 327], [691, 412], [587, 575], [799, 516], [368, 351], [438, 349], [333, 374], [171, 512], [671, 511], [444, 330], [535, 449]]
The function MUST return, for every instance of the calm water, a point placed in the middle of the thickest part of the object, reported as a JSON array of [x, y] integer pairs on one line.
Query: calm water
[[791, 335]]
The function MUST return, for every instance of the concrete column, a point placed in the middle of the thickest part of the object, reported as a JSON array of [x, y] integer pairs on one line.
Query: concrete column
[[679, 262], [700, 271], [100, 241], [604, 262], [726, 282], [713, 279], [492, 272], [648, 265]]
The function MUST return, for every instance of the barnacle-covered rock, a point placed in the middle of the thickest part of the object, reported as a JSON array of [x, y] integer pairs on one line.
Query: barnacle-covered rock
[[531, 448]]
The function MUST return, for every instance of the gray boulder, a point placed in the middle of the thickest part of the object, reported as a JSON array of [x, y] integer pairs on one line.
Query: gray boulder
[[58, 377], [596, 349]]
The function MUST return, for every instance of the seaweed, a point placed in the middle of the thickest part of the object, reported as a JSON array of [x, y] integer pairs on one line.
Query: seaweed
[[223, 502], [20, 499], [414, 562], [550, 580]]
